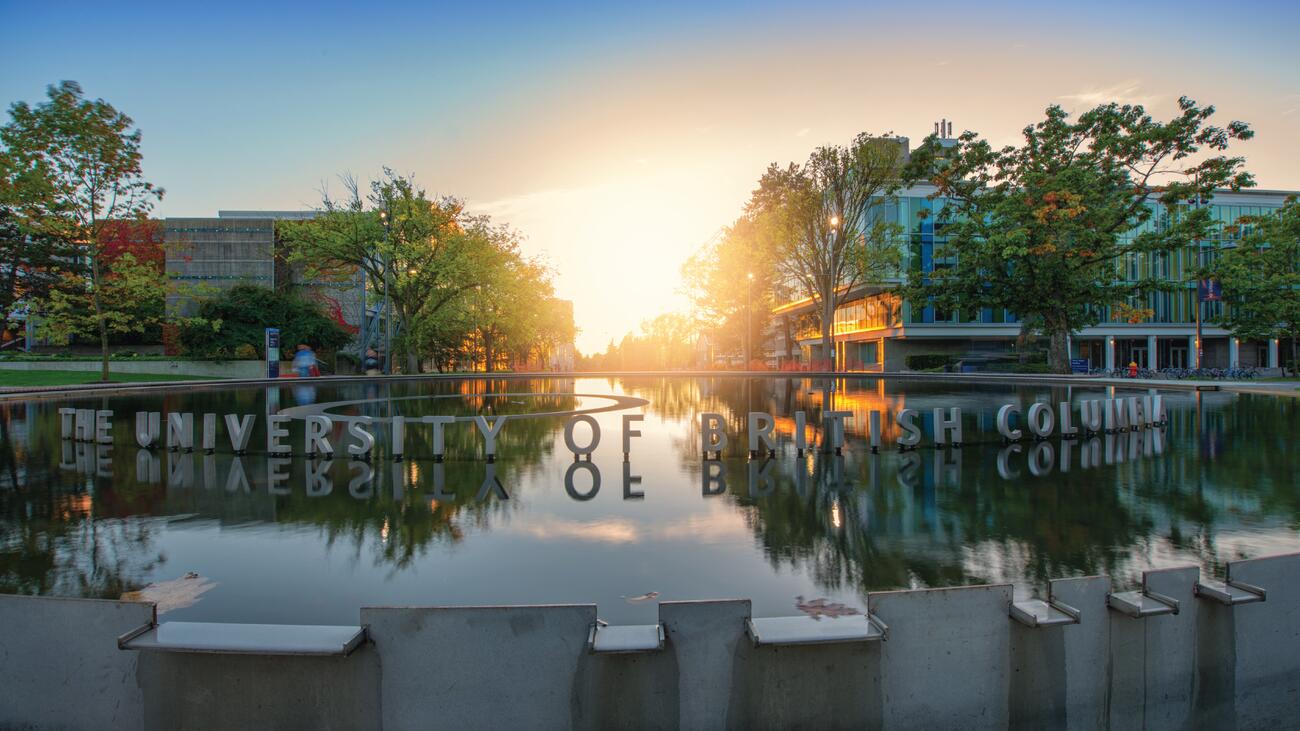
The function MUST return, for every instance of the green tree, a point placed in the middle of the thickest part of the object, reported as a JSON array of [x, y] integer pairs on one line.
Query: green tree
[[1261, 278], [128, 300], [71, 167], [1040, 229], [240, 315], [733, 283], [820, 219], [424, 254], [31, 264]]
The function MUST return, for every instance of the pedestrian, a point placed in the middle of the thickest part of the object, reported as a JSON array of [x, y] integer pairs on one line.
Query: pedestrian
[[304, 361], [371, 364], [1133, 369]]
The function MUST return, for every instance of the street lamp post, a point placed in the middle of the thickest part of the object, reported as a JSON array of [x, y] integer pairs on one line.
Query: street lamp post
[[388, 306], [749, 324]]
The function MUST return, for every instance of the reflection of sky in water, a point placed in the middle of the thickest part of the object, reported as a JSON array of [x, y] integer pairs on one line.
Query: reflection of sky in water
[[324, 540]]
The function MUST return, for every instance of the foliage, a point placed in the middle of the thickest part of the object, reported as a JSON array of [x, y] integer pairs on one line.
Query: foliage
[[33, 264], [733, 283], [665, 343], [926, 361], [71, 167], [820, 220], [1039, 229], [239, 317], [131, 297], [460, 289], [1261, 278]]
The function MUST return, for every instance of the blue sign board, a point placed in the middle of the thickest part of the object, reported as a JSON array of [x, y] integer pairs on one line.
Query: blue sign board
[[1079, 365], [272, 343], [1209, 290]]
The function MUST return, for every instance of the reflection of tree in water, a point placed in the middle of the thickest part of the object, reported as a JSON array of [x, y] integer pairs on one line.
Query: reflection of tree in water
[[53, 543], [929, 530]]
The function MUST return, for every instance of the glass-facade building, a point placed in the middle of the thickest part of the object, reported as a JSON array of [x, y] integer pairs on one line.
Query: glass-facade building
[[875, 330]]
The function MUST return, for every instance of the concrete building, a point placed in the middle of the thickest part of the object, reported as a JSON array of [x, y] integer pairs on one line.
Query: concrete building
[[875, 330], [240, 247]]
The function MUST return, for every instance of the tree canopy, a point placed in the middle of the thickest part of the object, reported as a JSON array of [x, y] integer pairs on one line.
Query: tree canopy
[[1261, 278], [70, 167], [1040, 228], [237, 318], [818, 220]]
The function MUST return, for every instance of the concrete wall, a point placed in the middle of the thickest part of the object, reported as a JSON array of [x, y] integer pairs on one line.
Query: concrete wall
[[208, 368], [953, 659]]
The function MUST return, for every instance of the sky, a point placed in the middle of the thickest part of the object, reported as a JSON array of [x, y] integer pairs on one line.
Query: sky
[[619, 139]]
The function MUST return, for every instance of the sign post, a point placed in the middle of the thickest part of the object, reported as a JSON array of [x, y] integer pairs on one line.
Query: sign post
[[272, 344]]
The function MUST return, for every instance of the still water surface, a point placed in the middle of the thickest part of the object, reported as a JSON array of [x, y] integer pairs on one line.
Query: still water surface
[[303, 541]]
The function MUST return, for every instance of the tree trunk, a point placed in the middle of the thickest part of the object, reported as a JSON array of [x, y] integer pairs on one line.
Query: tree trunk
[[99, 318], [1058, 352], [828, 322]]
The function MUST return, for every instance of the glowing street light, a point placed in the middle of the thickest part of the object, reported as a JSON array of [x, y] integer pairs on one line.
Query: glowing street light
[[835, 221]]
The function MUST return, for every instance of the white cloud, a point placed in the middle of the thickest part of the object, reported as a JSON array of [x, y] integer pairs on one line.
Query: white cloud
[[803, 132], [1124, 92]]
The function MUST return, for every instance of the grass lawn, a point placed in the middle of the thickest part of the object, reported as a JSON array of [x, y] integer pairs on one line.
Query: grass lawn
[[71, 378]]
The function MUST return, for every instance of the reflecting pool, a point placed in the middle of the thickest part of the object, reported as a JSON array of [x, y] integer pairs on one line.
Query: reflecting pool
[[309, 540]]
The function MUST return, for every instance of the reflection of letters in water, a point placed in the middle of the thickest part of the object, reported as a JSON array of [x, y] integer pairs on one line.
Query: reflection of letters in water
[[1113, 430]]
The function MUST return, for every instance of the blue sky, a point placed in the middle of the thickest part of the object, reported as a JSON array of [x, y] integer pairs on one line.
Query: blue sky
[[619, 138]]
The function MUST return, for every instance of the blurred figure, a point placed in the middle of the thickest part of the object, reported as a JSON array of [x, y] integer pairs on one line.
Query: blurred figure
[[304, 361], [371, 364]]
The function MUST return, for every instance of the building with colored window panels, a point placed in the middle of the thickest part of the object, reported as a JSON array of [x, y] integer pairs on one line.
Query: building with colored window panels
[[874, 330], [240, 247]]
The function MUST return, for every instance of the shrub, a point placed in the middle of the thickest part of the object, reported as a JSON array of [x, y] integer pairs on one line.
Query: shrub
[[245, 311], [244, 351], [927, 361]]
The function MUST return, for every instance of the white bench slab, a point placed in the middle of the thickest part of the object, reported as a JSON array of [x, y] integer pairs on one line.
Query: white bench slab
[[628, 638], [810, 631], [1141, 604], [244, 639], [1039, 613], [1229, 592]]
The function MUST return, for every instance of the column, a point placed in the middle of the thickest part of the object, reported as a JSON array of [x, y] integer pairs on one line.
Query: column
[[1272, 353], [1109, 345], [1192, 361], [1069, 346], [1233, 360], [1153, 355]]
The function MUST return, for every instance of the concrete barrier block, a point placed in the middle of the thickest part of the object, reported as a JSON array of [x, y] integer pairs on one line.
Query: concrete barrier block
[[60, 666], [1171, 650], [1080, 669], [218, 691], [1267, 643], [947, 662], [480, 667], [703, 640]]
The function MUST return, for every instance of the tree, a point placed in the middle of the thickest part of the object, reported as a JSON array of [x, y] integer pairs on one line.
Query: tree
[[31, 264], [130, 301], [1040, 229], [733, 283], [71, 167], [425, 255], [240, 315], [1261, 278], [820, 222]]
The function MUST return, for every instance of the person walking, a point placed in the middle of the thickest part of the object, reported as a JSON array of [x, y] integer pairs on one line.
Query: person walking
[[304, 361], [370, 364]]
